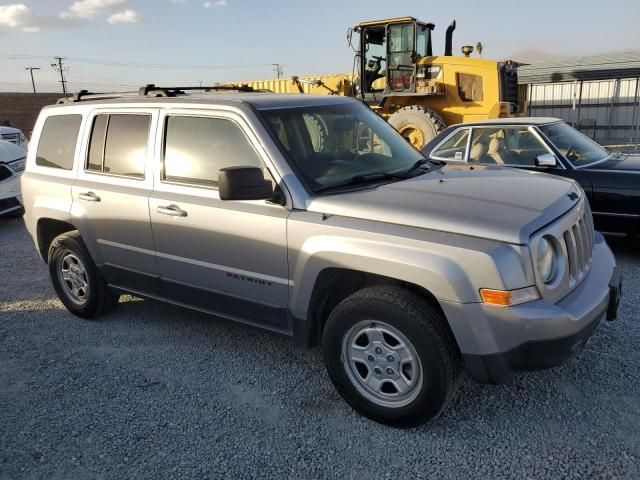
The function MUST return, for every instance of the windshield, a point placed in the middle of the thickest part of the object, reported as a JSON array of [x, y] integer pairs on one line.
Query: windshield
[[331, 144], [576, 147]]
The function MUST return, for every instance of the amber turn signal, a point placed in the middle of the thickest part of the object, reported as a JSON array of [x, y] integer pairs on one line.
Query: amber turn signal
[[507, 298]]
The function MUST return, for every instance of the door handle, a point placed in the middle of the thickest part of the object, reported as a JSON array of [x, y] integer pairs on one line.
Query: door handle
[[172, 210], [89, 197]]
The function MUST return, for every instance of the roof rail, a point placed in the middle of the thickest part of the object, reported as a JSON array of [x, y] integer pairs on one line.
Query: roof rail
[[150, 90]]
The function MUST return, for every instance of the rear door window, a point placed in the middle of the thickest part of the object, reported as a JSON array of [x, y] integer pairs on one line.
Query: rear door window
[[57, 144], [118, 144]]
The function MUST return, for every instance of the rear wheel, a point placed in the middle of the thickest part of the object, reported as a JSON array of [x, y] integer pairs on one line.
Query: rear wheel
[[417, 124], [76, 279], [391, 357]]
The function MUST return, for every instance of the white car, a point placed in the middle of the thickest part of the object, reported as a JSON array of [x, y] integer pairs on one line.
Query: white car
[[13, 135], [12, 160]]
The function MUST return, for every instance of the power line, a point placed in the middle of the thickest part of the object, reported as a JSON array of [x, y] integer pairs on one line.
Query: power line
[[120, 63]]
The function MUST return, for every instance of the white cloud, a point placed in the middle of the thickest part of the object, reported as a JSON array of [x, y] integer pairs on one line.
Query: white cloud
[[18, 16], [219, 3], [126, 16], [81, 12], [91, 8]]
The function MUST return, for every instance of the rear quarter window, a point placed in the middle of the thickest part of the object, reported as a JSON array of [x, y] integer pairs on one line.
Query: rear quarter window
[[57, 144]]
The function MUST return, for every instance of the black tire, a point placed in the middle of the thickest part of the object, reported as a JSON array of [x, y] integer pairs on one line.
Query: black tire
[[317, 131], [422, 325], [425, 120], [100, 298]]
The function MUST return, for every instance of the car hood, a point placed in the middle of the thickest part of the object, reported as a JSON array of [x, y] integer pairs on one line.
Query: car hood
[[497, 203], [10, 152], [631, 162], [5, 129]]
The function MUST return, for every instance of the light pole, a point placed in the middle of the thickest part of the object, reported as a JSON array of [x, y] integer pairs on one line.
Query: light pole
[[33, 83]]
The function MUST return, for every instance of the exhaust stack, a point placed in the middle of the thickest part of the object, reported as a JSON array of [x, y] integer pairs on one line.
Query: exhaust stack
[[448, 46]]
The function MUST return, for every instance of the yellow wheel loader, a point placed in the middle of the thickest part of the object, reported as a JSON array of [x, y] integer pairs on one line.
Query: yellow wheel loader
[[417, 92]]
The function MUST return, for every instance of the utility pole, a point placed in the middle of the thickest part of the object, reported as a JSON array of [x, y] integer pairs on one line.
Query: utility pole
[[278, 68], [33, 83], [60, 68]]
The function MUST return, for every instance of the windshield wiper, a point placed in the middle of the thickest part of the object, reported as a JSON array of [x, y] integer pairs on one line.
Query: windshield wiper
[[421, 164], [364, 179], [618, 154]]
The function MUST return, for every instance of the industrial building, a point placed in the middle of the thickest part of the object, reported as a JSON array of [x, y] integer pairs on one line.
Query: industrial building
[[597, 94]]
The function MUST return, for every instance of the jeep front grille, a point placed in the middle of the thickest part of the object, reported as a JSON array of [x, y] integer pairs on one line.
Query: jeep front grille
[[579, 242]]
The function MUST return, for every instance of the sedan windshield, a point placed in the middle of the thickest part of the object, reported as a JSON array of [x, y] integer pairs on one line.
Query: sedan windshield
[[577, 148], [335, 146]]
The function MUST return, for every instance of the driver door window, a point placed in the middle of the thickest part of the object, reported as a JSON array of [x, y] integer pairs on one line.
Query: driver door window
[[196, 148], [401, 50], [454, 148], [375, 55], [513, 146]]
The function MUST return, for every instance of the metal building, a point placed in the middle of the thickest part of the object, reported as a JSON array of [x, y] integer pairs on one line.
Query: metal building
[[597, 94]]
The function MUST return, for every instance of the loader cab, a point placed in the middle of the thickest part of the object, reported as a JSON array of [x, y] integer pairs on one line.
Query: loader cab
[[388, 53]]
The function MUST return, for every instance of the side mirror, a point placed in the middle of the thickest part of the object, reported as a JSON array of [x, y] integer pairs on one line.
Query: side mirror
[[546, 160], [243, 183]]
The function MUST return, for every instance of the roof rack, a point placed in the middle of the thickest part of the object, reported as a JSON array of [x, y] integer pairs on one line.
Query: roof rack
[[150, 90]]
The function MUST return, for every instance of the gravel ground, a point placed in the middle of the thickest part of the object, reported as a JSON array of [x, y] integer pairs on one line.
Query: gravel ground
[[154, 391]]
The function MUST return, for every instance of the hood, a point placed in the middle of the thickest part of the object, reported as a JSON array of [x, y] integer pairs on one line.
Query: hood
[[5, 129], [631, 162], [497, 203], [10, 152]]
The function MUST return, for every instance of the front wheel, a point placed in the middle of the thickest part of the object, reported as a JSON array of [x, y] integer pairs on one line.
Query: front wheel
[[419, 125], [390, 356]]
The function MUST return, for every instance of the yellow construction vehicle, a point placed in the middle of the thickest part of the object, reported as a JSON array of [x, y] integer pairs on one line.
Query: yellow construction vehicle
[[419, 93]]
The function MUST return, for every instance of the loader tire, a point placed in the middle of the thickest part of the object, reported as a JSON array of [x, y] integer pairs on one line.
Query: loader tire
[[417, 124]]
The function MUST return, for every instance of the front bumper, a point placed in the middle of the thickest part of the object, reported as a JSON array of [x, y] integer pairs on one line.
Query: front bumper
[[498, 342], [10, 197]]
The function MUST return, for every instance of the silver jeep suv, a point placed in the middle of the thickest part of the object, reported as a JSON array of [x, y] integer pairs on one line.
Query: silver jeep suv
[[311, 217]]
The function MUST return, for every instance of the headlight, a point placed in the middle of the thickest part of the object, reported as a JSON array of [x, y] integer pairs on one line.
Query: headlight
[[17, 165], [546, 260]]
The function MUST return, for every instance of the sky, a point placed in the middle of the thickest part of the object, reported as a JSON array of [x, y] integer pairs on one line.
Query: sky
[[123, 44]]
